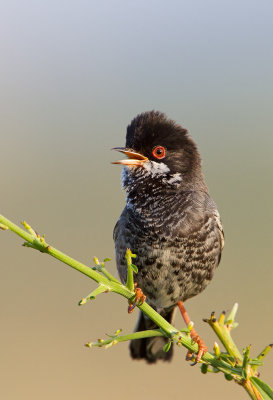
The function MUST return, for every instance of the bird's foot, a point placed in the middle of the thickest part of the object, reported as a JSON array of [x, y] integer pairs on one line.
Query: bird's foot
[[138, 300], [202, 348]]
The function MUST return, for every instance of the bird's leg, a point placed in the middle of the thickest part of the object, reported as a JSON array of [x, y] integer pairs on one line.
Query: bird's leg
[[195, 337], [139, 299]]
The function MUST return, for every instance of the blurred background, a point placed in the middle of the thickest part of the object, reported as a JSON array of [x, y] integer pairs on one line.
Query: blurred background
[[73, 75]]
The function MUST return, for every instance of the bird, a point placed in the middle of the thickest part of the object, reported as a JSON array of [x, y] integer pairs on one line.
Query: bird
[[169, 221]]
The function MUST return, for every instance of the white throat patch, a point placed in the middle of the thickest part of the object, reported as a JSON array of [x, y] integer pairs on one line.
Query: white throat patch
[[175, 179], [134, 176], [155, 168]]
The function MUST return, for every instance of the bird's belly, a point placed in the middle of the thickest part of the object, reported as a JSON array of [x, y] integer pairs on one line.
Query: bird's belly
[[157, 280], [167, 276]]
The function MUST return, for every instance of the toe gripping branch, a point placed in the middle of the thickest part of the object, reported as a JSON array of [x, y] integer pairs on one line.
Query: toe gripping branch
[[202, 348], [138, 300]]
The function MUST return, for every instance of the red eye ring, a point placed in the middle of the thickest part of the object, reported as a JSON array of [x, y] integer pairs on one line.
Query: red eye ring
[[159, 152]]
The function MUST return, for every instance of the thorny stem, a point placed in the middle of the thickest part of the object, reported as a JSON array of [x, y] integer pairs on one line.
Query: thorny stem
[[233, 365]]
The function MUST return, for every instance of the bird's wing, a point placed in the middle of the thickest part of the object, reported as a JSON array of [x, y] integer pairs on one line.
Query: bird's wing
[[118, 225], [220, 228]]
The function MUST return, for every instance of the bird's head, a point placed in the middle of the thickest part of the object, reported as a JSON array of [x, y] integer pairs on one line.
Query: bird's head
[[159, 149]]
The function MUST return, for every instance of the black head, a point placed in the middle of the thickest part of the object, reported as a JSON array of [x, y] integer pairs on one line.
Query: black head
[[152, 129], [164, 145], [159, 148]]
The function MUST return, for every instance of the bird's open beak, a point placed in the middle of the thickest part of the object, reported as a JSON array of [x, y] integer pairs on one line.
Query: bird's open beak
[[134, 158]]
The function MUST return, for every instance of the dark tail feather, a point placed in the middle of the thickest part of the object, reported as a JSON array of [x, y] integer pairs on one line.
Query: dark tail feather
[[151, 349]]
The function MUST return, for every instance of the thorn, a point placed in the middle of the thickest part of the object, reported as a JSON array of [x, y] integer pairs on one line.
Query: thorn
[[221, 319], [216, 349], [265, 351], [3, 227], [96, 260], [111, 344], [233, 313], [190, 326]]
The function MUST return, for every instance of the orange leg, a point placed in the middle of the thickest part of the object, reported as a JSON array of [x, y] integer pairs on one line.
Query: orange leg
[[139, 299], [195, 337]]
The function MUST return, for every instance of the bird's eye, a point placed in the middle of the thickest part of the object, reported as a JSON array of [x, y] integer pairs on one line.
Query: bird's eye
[[159, 152]]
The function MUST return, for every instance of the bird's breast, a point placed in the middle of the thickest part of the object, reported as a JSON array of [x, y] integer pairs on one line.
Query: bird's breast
[[177, 248]]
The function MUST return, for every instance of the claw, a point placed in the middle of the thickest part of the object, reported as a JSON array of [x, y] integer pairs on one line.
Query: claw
[[139, 299], [189, 355], [131, 308]]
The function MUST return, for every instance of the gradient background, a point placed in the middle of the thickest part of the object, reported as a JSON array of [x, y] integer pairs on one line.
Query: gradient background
[[73, 75]]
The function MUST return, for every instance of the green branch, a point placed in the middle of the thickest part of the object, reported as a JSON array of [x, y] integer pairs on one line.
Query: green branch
[[116, 338], [222, 329], [91, 296], [235, 365], [131, 268]]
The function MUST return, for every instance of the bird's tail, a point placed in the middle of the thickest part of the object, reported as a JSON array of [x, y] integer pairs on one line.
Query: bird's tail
[[151, 349]]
